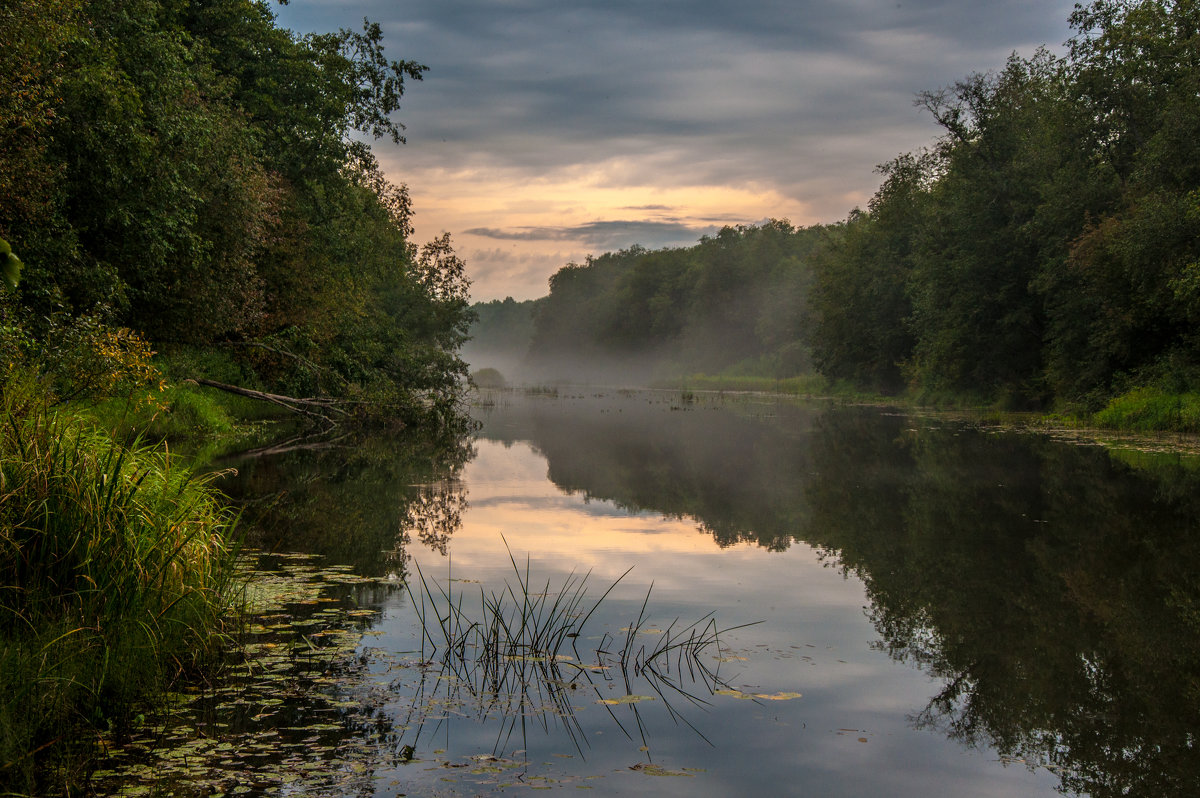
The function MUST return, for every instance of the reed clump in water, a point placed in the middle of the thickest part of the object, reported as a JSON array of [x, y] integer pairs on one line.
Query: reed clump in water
[[115, 577], [511, 654]]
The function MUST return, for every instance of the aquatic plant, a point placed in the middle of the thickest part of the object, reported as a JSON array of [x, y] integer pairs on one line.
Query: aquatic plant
[[512, 657], [115, 568], [517, 624]]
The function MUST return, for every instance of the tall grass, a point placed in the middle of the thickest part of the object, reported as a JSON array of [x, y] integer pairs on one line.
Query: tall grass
[[115, 569]]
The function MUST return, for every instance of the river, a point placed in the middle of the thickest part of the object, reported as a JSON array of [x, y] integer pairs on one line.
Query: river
[[852, 602]]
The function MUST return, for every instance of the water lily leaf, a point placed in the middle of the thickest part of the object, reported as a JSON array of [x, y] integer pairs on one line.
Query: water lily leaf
[[626, 699], [777, 696], [734, 694]]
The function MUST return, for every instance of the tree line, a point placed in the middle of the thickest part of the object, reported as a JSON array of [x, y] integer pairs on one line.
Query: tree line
[[199, 176], [736, 299], [1044, 250]]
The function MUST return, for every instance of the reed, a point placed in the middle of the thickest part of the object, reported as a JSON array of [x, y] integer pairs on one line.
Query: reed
[[520, 623], [115, 575], [511, 655]]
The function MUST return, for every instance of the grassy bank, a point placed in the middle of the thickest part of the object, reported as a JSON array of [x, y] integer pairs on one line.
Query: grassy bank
[[115, 580], [1151, 410], [1143, 409]]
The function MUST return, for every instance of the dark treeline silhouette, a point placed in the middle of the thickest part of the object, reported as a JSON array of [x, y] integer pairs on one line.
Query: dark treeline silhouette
[[198, 174], [1042, 251], [1045, 247], [500, 335]]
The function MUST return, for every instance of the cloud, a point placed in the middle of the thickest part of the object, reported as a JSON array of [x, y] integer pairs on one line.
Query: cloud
[[795, 101], [520, 274], [605, 235]]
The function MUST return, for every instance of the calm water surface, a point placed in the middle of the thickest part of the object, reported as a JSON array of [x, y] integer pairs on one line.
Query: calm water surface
[[960, 611]]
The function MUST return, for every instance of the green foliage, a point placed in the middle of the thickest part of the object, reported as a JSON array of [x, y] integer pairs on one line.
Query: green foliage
[[194, 173], [178, 413], [114, 578], [1046, 248], [862, 269], [10, 265], [1151, 409]]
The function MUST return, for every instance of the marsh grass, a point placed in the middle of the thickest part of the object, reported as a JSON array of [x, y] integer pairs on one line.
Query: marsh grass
[[518, 656], [115, 574]]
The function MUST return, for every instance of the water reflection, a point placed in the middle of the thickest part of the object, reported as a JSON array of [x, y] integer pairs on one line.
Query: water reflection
[[735, 468], [1053, 590], [1028, 601], [357, 501]]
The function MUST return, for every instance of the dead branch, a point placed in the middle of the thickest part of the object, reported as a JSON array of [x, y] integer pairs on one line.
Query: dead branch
[[316, 408]]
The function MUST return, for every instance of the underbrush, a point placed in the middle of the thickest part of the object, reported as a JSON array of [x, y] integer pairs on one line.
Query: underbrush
[[1151, 409], [115, 577]]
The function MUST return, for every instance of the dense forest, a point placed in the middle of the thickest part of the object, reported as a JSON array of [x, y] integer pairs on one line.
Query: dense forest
[[1044, 251], [192, 178]]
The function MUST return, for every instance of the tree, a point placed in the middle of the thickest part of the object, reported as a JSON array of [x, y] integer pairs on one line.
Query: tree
[[977, 322], [860, 299]]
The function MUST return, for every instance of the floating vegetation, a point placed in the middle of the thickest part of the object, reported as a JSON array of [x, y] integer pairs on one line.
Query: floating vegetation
[[290, 712], [307, 705]]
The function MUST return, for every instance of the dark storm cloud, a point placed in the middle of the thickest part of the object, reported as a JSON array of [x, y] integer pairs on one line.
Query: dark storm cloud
[[798, 97], [605, 235], [790, 93]]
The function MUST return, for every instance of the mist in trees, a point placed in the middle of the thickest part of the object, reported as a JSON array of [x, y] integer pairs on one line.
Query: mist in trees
[[1043, 251], [734, 300]]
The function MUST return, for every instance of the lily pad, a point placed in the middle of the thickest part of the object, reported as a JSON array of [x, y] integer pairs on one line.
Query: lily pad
[[626, 699]]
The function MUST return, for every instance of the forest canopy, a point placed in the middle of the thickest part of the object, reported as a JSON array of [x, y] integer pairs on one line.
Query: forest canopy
[[202, 177]]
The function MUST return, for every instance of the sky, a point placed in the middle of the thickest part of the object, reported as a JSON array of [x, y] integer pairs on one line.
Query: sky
[[548, 130]]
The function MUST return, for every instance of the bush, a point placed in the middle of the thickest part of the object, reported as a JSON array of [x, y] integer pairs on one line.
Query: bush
[[489, 378]]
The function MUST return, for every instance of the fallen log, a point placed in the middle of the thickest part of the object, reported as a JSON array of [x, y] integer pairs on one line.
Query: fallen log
[[318, 408]]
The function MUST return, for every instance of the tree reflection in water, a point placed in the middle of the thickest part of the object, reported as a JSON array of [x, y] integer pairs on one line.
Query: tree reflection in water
[[1054, 588], [354, 501], [433, 514]]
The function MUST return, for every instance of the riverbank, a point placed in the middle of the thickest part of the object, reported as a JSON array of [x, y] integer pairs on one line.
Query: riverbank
[[117, 584], [1146, 409]]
